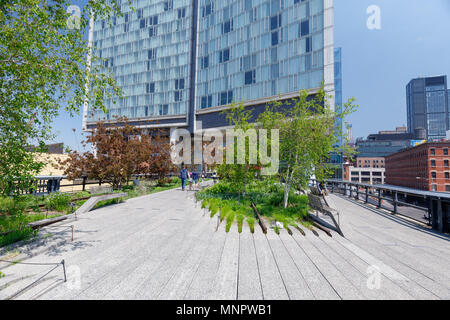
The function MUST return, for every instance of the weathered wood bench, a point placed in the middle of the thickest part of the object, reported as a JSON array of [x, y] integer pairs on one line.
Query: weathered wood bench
[[88, 205], [319, 205]]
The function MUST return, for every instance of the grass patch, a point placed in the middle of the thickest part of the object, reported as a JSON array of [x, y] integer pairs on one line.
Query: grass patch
[[240, 220], [230, 219], [251, 224], [268, 197]]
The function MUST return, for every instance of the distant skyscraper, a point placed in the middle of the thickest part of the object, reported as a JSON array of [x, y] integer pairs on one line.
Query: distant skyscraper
[[427, 106], [183, 61], [338, 86]]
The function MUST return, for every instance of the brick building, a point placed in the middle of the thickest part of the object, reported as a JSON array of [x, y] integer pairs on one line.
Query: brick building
[[369, 162], [425, 167]]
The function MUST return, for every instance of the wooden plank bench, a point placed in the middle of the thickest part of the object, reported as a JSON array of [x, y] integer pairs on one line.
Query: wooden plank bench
[[88, 205], [319, 205]]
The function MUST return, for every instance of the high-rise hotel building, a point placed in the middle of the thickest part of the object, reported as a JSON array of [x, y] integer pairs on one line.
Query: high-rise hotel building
[[183, 61]]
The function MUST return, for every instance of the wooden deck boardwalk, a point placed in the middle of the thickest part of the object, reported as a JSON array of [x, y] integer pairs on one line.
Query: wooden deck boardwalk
[[163, 246]]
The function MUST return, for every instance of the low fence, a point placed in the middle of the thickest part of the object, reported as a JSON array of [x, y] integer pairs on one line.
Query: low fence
[[435, 206], [43, 185]]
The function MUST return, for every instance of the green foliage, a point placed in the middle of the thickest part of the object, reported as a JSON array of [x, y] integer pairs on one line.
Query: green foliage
[[225, 211], [81, 195], [308, 139], [230, 219], [25, 233], [106, 203], [205, 203], [2, 275], [43, 66], [214, 207], [244, 171], [277, 230], [58, 201], [251, 224], [240, 220]]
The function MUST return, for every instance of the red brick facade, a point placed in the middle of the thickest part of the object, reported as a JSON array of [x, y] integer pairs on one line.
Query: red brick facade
[[425, 167]]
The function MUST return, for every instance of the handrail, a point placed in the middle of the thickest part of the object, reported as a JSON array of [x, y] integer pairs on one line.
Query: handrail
[[434, 203]]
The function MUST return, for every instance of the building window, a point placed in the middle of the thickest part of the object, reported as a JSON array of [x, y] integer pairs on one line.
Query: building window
[[433, 152], [445, 152], [227, 26], [205, 62], [168, 5], [434, 187], [275, 22], [447, 175], [181, 13], [250, 77], [304, 28], [434, 175], [224, 55], [447, 188], [446, 163], [433, 163], [207, 10], [179, 84]]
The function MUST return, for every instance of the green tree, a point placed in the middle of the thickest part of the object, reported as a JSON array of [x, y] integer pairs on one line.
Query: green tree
[[44, 66], [239, 174], [308, 136]]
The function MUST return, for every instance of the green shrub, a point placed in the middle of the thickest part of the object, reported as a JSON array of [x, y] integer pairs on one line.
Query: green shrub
[[175, 180], [24, 233], [225, 211], [214, 207], [7, 205], [205, 204], [251, 224], [81, 195], [240, 220], [277, 230], [230, 219], [57, 201], [128, 188]]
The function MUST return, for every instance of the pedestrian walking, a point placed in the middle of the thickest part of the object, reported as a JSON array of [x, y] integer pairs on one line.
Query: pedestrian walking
[[184, 175], [190, 181], [195, 177]]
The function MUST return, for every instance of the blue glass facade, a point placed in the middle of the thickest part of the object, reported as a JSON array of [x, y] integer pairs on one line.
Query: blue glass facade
[[427, 106], [148, 52], [185, 59], [338, 86], [252, 49]]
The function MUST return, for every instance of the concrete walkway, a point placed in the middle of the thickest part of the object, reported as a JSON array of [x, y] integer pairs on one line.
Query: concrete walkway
[[163, 246]]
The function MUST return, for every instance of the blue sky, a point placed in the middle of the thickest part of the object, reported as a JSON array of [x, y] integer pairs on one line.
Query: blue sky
[[377, 64]]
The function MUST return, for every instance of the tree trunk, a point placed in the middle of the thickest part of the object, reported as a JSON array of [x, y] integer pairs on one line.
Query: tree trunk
[[287, 187]]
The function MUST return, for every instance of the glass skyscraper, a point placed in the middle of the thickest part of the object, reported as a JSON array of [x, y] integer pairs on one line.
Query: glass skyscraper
[[183, 61], [427, 107]]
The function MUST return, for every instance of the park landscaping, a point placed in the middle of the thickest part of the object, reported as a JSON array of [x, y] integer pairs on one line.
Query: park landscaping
[[16, 213], [225, 200]]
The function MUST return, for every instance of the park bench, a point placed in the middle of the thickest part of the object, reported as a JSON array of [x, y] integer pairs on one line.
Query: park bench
[[318, 203]]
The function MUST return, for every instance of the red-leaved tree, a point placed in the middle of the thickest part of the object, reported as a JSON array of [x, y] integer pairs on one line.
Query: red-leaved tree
[[121, 151]]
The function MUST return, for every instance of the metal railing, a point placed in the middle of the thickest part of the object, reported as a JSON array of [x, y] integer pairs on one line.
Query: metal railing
[[434, 206], [43, 185]]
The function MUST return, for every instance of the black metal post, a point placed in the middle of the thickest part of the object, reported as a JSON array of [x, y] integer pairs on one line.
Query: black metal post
[[84, 183], [379, 198], [395, 202], [367, 194], [64, 269]]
